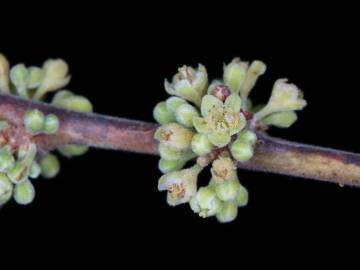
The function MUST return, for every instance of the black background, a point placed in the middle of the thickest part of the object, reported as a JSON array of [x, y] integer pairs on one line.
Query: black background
[[120, 63]]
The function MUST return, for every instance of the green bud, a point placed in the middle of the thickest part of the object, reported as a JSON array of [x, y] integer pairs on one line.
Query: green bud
[[75, 103], [206, 203], [61, 95], [167, 153], [50, 166], [223, 169], [72, 150], [6, 189], [162, 114], [4, 74], [55, 77], [51, 124], [281, 119], [234, 75], [7, 160], [185, 114], [173, 103], [201, 145], [35, 170], [174, 136], [241, 151], [21, 169], [35, 77], [247, 136], [228, 190], [167, 165], [34, 121], [228, 212], [19, 76], [24, 193], [242, 197]]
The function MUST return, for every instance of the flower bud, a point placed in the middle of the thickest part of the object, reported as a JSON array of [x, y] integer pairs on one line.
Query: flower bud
[[234, 75], [247, 136], [50, 166], [189, 84], [205, 202], [75, 103], [223, 170], [20, 171], [162, 114], [228, 212], [6, 188], [181, 185], [36, 75], [55, 77], [168, 153], [7, 160], [173, 103], [61, 95], [242, 197], [201, 145], [167, 165], [185, 114], [241, 151], [174, 136], [34, 121], [51, 124], [24, 193], [4, 74], [35, 170], [256, 69], [72, 150], [281, 119], [228, 190], [19, 76]]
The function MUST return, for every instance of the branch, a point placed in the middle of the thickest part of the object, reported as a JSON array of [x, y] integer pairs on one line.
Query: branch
[[271, 155]]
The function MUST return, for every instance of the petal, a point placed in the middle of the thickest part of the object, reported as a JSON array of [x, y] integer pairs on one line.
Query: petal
[[219, 139], [233, 103], [200, 125], [169, 87], [208, 102], [238, 126]]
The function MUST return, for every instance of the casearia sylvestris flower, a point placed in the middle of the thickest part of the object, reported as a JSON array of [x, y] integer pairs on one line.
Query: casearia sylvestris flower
[[216, 125], [20, 164]]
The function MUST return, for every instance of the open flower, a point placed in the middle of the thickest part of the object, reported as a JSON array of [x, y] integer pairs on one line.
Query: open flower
[[205, 202], [180, 185], [189, 84], [220, 120], [174, 136]]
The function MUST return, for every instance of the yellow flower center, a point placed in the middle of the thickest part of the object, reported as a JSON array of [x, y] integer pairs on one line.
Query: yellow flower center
[[177, 191]]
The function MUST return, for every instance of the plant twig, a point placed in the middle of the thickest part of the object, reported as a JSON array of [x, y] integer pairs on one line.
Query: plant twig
[[271, 155]]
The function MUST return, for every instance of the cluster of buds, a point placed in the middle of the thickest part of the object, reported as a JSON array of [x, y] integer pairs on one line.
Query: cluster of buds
[[215, 124], [19, 164]]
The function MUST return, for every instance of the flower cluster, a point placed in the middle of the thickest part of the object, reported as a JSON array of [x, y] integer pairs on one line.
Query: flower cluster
[[20, 163], [215, 123]]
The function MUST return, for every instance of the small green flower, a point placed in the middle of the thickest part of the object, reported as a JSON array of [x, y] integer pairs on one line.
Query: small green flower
[[228, 212], [24, 193], [34, 121], [162, 114], [6, 189], [185, 113], [55, 76], [223, 170], [242, 197], [284, 97], [36, 76], [74, 103], [205, 202], [50, 166], [220, 120], [234, 74], [51, 124], [180, 185], [174, 136], [242, 151], [280, 120], [35, 170], [189, 84], [247, 136], [4, 74], [72, 150], [228, 190], [168, 165], [173, 103]]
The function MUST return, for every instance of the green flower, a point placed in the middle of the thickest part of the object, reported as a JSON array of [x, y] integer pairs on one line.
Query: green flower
[[220, 120], [223, 170], [180, 185], [174, 136], [205, 202], [189, 84]]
